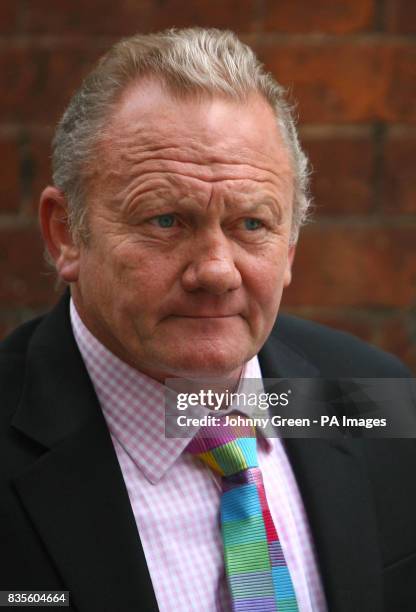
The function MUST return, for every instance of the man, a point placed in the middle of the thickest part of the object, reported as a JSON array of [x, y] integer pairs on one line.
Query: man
[[179, 190]]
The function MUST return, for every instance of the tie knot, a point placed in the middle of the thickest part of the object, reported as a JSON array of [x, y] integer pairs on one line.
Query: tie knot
[[227, 448]]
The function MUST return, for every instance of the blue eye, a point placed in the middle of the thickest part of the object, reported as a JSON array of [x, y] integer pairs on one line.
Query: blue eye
[[165, 221], [252, 224]]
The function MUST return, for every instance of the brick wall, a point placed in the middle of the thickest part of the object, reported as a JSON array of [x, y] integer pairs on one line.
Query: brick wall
[[351, 66]]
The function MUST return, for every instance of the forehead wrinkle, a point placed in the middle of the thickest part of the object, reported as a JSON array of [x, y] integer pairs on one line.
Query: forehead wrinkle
[[124, 187], [190, 195], [165, 187], [204, 175], [151, 142], [134, 158], [151, 180], [138, 174], [138, 161]]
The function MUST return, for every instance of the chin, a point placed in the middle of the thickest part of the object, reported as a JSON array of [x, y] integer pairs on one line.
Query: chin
[[208, 362]]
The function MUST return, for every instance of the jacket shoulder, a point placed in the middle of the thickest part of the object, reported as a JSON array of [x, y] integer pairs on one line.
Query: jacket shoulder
[[17, 341], [336, 353], [13, 351]]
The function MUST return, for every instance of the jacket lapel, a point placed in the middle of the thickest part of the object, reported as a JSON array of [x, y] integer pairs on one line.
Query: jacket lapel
[[74, 493], [336, 495], [337, 499]]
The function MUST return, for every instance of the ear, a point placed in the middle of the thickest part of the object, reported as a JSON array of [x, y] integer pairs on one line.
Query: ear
[[53, 217], [289, 264]]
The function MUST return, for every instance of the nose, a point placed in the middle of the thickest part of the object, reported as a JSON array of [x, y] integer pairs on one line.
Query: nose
[[212, 267]]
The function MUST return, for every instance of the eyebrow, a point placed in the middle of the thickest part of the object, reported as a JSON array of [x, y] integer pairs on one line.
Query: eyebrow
[[146, 201], [270, 205], [187, 203]]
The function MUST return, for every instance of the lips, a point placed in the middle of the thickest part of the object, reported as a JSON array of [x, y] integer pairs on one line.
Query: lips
[[206, 316], [203, 309]]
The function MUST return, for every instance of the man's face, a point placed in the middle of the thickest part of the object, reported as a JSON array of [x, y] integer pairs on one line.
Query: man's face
[[189, 219]]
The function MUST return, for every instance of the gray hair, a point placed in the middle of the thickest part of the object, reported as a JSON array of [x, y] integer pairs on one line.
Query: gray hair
[[189, 61]]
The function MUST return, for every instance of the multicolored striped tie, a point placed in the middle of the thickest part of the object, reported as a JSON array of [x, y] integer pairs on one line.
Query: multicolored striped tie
[[256, 569]]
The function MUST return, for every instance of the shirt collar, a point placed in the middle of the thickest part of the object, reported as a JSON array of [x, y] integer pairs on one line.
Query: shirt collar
[[134, 404]]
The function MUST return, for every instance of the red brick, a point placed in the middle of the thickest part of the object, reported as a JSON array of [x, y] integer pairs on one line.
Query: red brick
[[397, 335], [336, 82], [352, 266], [9, 176], [344, 81], [106, 17], [397, 102], [39, 159], [23, 278], [342, 179], [333, 16], [8, 16], [237, 15], [400, 16], [24, 172], [398, 175], [37, 82]]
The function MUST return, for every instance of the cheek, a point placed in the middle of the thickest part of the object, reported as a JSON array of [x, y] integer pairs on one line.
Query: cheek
[[132, 257], [266, 279], [101, 280], [143, 277]]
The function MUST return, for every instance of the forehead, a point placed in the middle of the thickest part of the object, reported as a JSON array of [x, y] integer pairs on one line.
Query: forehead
[[206, 130]]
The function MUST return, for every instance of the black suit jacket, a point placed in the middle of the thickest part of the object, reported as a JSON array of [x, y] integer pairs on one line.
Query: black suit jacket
[[65, 518]]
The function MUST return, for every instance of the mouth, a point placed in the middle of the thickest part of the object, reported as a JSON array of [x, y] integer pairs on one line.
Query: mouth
[[205, 317]]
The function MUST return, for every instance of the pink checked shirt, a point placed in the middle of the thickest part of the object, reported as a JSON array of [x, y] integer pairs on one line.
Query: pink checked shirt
[[175, 498]]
